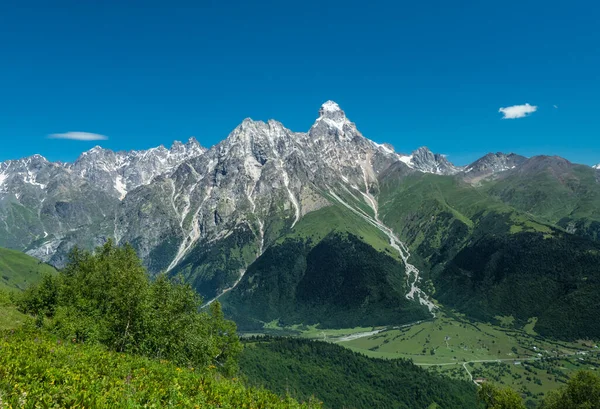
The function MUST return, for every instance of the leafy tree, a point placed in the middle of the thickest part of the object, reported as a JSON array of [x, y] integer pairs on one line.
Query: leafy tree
[[40, 299], [496, 398], [582, 392], [106, 297]]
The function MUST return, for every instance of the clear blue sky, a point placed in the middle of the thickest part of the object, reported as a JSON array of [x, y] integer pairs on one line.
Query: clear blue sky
[[410, 73]]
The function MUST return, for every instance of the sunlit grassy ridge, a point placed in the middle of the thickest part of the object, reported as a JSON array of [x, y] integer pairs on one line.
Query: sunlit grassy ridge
[[35, 368]]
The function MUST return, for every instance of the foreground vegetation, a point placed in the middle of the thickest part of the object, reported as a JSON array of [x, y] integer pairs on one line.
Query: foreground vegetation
[[38, 370], [101, 334]]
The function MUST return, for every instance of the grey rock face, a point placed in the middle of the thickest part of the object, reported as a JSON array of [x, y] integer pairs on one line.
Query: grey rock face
[[426, 161], [121, 172], [178, 206], [493, 163]]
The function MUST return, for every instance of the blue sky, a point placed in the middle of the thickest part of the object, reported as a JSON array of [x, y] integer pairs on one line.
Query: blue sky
[[432, 73]]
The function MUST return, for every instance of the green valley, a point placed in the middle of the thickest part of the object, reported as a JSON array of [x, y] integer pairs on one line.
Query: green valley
[[458, 347]]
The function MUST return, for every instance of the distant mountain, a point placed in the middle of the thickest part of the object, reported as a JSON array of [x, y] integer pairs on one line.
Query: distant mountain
[[492, 163], [372, 233], [178, 207], [426, 161], [596, 166]]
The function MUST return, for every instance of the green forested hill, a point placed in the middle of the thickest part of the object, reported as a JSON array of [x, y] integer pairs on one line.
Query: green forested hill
[[334, 268], [18, 270], [345, 379], [340, 282], [504, 248], [556, 279]]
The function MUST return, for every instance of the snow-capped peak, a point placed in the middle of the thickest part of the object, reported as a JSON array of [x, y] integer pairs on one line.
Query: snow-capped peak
[[331, 116], [596, 166], [329, 106]]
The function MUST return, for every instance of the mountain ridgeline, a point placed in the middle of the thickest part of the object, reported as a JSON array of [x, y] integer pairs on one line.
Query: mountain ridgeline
[[327, 226]]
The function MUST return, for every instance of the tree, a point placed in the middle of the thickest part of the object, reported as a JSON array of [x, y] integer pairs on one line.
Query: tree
[[582, 392], [223, 332], [40, 299], [106, 297], [496, 398]]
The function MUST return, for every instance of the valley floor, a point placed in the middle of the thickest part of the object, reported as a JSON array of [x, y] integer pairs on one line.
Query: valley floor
[[457, 347]]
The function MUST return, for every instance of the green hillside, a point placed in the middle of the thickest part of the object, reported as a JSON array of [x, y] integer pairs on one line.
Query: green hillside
[[18, 270], [66, 374], [334, 268], [345, 379], [491, 254], [552, 188]]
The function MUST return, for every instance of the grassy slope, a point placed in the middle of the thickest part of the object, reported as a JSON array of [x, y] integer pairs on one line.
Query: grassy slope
[[62, 374], [561, 193], [318, 224], [424, 208], [551, 194], [18, 270]]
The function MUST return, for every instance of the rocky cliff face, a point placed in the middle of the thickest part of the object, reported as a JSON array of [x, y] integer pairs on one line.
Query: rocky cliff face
[[183, 207]]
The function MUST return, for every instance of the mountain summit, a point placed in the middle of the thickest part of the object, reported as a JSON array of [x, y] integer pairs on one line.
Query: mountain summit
[[182, 207]]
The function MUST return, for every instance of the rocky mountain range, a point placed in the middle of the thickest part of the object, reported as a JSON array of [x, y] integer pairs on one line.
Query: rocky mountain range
[[210, 214], [203, 194]]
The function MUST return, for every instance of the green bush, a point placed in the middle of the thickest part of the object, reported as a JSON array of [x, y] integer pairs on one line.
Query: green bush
[[582, 392], [106, 297]]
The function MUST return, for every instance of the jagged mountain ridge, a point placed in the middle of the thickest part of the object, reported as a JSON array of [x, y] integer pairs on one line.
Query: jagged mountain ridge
[[42, 203], [181, 207], [112, 175]]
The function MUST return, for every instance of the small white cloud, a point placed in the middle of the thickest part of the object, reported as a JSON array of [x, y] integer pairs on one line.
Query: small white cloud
[[517, 111], [79, 136], [555, 106]]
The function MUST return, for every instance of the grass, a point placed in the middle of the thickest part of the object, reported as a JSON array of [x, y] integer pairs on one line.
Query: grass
[[18, 270], [11, 318], [318, 224], [64, 374]]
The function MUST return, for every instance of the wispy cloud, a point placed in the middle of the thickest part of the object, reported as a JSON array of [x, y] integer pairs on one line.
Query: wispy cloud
[[517, 111], [78, 136]]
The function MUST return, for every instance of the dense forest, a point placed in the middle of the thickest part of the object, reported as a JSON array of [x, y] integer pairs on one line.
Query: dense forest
[[555, 278], [343, 378], [339, 282]]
